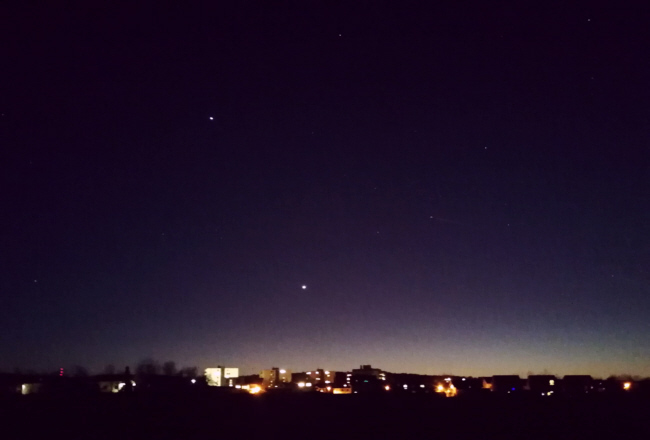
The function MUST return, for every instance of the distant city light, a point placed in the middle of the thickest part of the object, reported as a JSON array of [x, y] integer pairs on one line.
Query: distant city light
[[421, 386], [255, 390], [193, 381], [283, 371], [387, 388], [211, 118], [627, 386], [308, 384], [406, 386], [304, 287], [301, 384], [551, 382]]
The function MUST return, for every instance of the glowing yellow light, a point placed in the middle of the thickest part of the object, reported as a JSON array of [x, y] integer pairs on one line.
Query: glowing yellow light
[[387, 388], [440, 388], [627, 386], [283, 371], [255, 390], [301, 384]]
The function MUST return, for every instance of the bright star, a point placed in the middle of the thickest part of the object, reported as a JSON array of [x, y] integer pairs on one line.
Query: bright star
[[304, 287]]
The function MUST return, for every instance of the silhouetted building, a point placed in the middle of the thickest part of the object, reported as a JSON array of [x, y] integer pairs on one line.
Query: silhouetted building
[[367, 380], [577, 384], [544, 385], [506, 384]]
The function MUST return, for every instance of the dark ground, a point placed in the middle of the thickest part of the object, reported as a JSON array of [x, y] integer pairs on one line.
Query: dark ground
[[301, 416]]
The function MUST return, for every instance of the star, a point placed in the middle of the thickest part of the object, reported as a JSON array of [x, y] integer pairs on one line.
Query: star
[[211, 118], [304, 287]]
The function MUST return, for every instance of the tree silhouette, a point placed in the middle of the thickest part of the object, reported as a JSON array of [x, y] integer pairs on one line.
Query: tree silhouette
[[147, 366], [169, 368], [189, 372], [79, 371]]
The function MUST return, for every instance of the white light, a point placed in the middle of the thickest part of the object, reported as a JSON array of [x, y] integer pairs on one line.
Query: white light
[[238, 386], [283, 371], [308, 384], [551, 382], [543, 394], [193, 381], [421, 386], [309, 372], [211, 118], [327, 372], [463, 378], [301, 384], [304, 287], [327, 381], [405, 386]]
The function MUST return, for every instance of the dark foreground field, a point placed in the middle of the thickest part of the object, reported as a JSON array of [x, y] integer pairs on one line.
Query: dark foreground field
[[301, 416]]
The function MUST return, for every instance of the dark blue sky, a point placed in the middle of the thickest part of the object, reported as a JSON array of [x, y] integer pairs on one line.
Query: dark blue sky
[[462, 190]]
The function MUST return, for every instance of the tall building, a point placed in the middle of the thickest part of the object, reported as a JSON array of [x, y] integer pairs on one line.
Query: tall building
[[275, 376], [221, 376]]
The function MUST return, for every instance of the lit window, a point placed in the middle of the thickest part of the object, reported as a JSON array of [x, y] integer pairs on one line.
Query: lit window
[[421, 386], [551, 382]]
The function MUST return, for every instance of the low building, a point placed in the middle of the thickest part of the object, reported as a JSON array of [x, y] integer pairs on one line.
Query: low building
[[544, 385], [275, 377], [221, 376], [320, 377], [577, 384], [367, 380], [506, 384]]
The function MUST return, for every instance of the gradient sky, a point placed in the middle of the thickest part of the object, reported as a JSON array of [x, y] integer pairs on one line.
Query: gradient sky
[[462, 190]]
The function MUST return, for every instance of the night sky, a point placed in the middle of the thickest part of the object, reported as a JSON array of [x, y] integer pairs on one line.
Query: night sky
[[461, 189]]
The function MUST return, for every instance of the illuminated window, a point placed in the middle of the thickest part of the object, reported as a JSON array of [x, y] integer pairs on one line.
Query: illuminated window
[[551, 382]]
